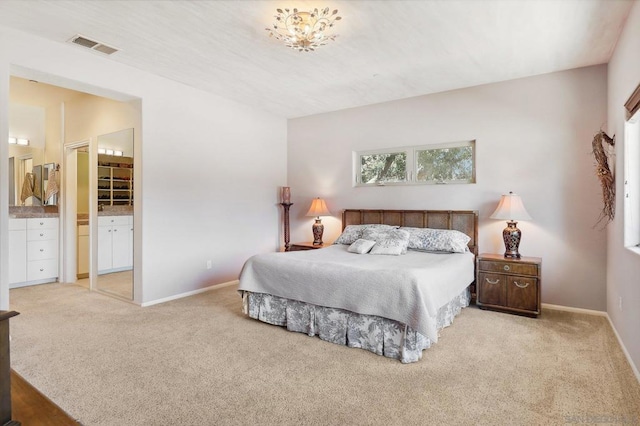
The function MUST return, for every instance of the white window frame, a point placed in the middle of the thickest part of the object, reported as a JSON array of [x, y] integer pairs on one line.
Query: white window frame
[[411, 163], [632, 183]]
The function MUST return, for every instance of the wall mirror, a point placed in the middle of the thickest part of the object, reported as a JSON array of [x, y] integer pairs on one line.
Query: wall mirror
[[115, 213], [25, 175], [26, 144]]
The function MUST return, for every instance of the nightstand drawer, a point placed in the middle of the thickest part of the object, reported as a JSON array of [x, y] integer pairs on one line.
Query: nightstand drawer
[[509, 268], [522, 293], [492, 289]]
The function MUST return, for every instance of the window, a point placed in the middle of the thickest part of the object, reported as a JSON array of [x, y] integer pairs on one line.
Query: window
[[445, 164], [632, 183], [426, 164], [383, 168]]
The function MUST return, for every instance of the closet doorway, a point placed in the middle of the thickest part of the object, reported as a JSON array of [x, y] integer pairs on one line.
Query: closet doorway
[[77, 197]]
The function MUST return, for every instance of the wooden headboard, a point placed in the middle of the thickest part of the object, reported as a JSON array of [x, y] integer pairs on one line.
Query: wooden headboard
[[461, 220]]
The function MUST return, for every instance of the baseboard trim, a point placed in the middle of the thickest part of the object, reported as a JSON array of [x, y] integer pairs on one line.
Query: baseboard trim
[[190, 293], [624, 349], [575, 310]]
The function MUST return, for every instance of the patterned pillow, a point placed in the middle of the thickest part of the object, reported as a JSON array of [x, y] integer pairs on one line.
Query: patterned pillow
[[442, 240], [352, 232], [390, 246], [361, 246], [387, 238]]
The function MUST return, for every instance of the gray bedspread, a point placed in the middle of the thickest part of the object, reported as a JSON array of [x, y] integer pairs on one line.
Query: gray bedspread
[[408, 288]]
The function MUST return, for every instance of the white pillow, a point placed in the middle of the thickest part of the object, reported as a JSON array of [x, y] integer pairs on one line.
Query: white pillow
[[442, 240], [353, 232], [361, 246], [390, 237]]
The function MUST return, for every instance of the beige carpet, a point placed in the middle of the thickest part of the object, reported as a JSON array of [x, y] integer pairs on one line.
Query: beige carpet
[[117, 283], [199, 361]]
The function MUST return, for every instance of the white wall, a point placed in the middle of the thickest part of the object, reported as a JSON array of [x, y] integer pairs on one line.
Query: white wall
[[210, 168], [623, 266], [533, 137]]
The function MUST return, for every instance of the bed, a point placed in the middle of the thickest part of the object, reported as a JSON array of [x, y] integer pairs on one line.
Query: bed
[[394, 306]]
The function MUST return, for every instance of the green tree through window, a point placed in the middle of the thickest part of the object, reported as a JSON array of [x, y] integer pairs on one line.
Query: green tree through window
[[445, 164], [378, 168], [452, 162]]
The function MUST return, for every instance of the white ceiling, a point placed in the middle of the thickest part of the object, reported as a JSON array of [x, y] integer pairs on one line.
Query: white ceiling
[[386, 50]]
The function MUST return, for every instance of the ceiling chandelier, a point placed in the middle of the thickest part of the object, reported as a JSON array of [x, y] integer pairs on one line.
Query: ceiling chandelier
[[303, 31]]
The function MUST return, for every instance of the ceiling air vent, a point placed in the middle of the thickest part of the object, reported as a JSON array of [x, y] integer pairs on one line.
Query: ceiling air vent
[[92, 44]]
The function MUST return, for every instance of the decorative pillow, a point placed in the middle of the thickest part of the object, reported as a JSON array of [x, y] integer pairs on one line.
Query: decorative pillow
[[442, 240], [390, 246], [388, 238], [361, 246], [353, 232]]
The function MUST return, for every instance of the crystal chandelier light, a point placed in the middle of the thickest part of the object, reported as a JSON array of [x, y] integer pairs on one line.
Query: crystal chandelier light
[[303, 31]]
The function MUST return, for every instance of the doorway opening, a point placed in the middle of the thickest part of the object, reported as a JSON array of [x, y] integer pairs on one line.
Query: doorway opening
[[94, 120]]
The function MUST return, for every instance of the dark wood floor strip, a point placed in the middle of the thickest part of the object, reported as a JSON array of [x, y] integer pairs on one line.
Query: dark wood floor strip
[[30, 407]]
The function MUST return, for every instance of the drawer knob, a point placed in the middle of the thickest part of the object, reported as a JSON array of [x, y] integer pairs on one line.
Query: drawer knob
[[41, 250], [41, 269], [507, 267], [492, 282], [42, 235], [525, 285], [41, 223]]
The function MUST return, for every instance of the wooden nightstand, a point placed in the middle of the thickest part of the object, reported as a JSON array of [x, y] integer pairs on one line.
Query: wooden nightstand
[[509, 285], [305, 246]]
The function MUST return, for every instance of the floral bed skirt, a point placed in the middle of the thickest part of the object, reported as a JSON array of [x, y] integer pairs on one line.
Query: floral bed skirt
[[379, 335]]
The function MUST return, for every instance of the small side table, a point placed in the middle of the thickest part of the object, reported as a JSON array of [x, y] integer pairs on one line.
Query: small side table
[[306, 246], [509, 285]]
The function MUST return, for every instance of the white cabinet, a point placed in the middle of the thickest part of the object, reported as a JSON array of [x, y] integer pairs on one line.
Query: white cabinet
[[33, 255], [83, 251], [115, 243], [17, 251]]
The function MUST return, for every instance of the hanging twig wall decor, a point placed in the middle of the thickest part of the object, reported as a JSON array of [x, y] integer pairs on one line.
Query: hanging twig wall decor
[[604, 174]]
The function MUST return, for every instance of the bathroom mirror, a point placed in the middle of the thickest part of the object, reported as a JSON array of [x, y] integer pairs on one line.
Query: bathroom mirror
[[115, 213], [23, 160], [27, 140]]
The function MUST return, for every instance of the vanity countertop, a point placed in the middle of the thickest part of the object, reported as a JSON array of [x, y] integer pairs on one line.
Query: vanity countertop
[[22, 212], [83, 218]]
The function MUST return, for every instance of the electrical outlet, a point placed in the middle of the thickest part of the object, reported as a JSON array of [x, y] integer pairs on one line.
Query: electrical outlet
[[620, 303], [209, 264]]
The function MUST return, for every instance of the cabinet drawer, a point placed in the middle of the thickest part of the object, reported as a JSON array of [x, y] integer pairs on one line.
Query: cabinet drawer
[[113, 220], [42, 223], [42, 269], [17, 224], [42, 250], [522, 293], [509, 268], [492, 289], [42, 234]]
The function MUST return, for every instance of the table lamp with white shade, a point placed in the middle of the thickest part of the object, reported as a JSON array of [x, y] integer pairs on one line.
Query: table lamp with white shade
[[511, 209], [318, 208]]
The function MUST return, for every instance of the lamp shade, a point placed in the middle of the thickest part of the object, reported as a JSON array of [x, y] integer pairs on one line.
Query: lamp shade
[[510, 207], [318, 208]]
